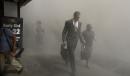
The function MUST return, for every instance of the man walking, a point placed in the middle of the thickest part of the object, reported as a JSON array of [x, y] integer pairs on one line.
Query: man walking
[[70, 35]]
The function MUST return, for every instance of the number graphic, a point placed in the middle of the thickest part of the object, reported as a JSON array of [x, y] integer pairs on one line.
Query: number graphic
[[16, 31]]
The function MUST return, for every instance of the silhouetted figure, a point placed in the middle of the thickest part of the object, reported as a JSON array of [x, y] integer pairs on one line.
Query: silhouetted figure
[[39, 34], [88, 36], [70, 35]]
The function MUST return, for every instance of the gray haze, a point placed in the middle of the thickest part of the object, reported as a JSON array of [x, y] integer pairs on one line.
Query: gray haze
[[109, 18]]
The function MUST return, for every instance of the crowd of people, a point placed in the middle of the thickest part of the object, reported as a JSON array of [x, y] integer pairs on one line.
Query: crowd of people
[[70, 36]]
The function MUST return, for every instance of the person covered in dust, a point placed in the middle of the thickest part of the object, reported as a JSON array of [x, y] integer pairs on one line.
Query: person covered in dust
[[39, 33], [88, 36], [70, 35]]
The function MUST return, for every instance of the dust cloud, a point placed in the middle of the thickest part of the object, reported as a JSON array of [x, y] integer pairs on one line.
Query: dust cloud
[[109, 18]]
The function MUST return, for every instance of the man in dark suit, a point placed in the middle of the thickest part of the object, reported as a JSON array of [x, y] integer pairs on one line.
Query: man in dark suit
[[70, 35]]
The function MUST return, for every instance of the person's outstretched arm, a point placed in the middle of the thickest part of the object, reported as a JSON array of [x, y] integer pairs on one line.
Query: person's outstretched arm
[[81, 36]]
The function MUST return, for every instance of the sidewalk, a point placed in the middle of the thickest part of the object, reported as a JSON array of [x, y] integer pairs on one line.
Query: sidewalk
[[53, 65]]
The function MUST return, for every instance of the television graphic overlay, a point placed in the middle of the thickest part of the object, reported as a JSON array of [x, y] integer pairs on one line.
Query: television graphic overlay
[[16, 25]]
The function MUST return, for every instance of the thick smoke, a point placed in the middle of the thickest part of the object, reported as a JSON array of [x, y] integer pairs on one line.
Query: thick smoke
[[109, 18]]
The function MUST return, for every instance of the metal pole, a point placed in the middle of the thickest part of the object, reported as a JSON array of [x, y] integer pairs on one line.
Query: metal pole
[[18, 9], [1, 7]]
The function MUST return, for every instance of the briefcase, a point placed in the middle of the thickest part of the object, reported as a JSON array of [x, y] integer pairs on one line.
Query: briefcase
[[64, 52]]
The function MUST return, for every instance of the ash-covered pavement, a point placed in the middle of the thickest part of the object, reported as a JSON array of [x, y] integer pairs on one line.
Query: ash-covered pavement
[[37, 63]]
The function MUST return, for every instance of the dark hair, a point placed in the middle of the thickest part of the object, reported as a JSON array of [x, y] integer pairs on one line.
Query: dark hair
[[76, 12]]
